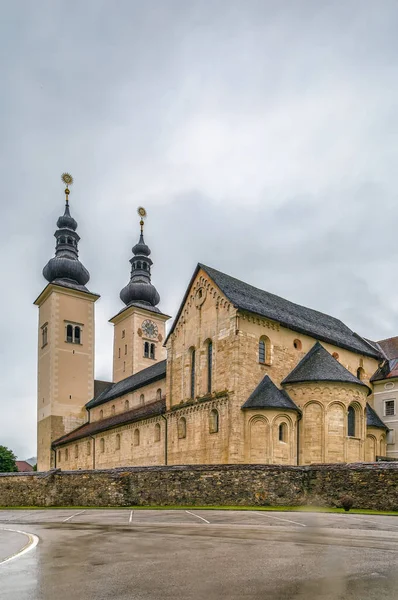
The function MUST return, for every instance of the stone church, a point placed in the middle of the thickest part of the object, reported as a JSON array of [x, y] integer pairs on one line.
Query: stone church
[[242, 376]]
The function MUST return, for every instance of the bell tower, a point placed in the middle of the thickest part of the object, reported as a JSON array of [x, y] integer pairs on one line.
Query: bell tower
[[65, 340], [140, 327]]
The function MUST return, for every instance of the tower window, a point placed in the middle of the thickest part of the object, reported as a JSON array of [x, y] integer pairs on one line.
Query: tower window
[[152, 351], [70, 241], [62, 240], [119, 353], [123, 333], [44, 336], [77, 335], [144, 266], [192, 390], [351, 421], [73, 334], [209, 365], [125, 349], [146, 349], [139, 265], [69, 334]]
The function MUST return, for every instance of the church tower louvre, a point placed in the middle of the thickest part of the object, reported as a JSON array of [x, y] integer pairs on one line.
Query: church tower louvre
[[65, 340], [139, 328]]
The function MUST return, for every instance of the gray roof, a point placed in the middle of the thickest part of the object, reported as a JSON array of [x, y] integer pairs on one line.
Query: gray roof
[[319, 365], [293, 316], [134, 382], [267, 395], [373, 419]]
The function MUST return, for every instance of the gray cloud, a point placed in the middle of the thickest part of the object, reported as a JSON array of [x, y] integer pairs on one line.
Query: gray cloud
[[261, 136]]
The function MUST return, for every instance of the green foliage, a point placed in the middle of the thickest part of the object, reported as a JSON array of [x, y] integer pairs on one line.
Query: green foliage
[[7, 460], [35, 467]]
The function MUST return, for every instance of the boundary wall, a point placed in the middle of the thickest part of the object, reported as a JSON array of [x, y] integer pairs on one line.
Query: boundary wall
[[371, 486]]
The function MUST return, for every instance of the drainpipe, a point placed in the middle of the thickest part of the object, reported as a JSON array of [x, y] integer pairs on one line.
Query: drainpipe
[[298, 438], [55, 458], [165, 439], [93, 438]]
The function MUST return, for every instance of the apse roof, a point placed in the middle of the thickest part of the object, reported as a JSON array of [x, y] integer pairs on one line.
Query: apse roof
[[319, 365], [293, 316], [267, 395]]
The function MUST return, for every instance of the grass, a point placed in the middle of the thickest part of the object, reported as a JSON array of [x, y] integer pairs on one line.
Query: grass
[[316, 509]]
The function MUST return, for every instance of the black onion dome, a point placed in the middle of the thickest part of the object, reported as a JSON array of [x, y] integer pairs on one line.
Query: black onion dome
[[140, 289], [141, 247], [67, 221], [140, 292], [66, 268]]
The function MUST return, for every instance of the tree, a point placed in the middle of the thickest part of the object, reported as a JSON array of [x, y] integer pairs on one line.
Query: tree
[[7, 460]]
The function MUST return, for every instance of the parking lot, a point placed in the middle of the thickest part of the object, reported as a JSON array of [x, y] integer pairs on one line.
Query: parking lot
[[150, 554]]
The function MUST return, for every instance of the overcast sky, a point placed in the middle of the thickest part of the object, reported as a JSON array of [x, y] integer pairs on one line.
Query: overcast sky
[[261, 136]]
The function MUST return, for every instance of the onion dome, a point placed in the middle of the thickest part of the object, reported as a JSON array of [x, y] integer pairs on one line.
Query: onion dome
[[140, 290], [65, 267]]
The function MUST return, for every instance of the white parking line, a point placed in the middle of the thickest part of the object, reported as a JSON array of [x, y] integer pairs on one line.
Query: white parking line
[[33, 540], [131, 516], [197, 516], [264, 514], [75, 515]]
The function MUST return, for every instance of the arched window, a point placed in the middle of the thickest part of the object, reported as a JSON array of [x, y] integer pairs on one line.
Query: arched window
[[144, 266], [66, 454], [213, 421], [157, 432], [351, 421], [102, 445], [59, 456], [70, 241], [192, 386], [76, 451], [297, 344], [117, 445], [146, 349], [360, 373], [159, 394], [139, 265], [62, 240], [113, 409], [136, 437], [77, 335], [209, 365], [142, 399], [282, 432], [152, 351], [69, 334], [126, 405], [44, 336], [101, 414], [88, 448], [264, 350], [182, 428]]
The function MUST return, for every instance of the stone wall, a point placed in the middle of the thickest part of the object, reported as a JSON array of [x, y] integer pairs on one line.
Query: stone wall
[[372, 486]]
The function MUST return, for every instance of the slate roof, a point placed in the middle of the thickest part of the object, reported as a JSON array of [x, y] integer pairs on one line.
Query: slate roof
[[387, 370], [267, 395], [373, 419], [319, 365], [390, 347], [137, 414], [293, 316], [151, 374]]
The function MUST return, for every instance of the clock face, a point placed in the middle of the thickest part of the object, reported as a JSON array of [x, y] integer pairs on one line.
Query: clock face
[[150, 329]]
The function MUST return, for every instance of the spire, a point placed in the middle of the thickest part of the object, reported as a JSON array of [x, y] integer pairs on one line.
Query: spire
[[65, 267], [139, 290]]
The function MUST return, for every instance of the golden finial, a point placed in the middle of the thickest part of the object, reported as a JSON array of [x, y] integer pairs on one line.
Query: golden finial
[[68, 180], [143, 214]]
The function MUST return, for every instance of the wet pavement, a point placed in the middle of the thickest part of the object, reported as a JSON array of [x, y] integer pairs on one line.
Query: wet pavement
[[198, 554]]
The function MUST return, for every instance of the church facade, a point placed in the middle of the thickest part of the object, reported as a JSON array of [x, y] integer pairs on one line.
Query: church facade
[[243, 376]]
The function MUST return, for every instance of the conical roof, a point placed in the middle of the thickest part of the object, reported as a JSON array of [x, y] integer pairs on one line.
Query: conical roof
[[267, 395], [319, 365]]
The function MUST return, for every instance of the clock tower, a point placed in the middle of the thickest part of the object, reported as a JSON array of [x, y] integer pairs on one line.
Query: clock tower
[[140, 327]]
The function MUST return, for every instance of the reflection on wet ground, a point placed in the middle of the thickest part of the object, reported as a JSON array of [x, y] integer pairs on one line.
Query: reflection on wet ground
[[151, 555]]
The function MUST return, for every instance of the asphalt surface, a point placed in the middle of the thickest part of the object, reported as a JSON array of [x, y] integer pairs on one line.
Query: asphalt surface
[[196, 554]]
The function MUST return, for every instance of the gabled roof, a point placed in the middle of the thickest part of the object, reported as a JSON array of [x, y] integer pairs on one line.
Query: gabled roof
[[373, 419], [131, 416], [389, 347], [134, 382], [319, 365], [387, 370], [23, 466], [267, 395], [293, 316]]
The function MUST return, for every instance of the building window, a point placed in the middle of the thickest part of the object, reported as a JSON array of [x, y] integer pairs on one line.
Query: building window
[[209, 365], [125, 349], [351, 421], [360, 373], [264, 350], [126, 405], [102, 445], [69, 334], [142, 399], [113, 409], [335, 355], [123, 333], [119, 353], [136, 437], [101, 414], [159, 394], [192, 386], [59, 456], [146, 349], [152, 351], [44, 340], [182, 428], [88, 448], [66, 454], [76, 451], [124, 366], [282, 433], [297, 344], [117, 441], [213, 421], [389, 408], [77, 335], [157, 432]]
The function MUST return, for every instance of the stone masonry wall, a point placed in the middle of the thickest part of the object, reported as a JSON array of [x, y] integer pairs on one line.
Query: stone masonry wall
[[372, 486]]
